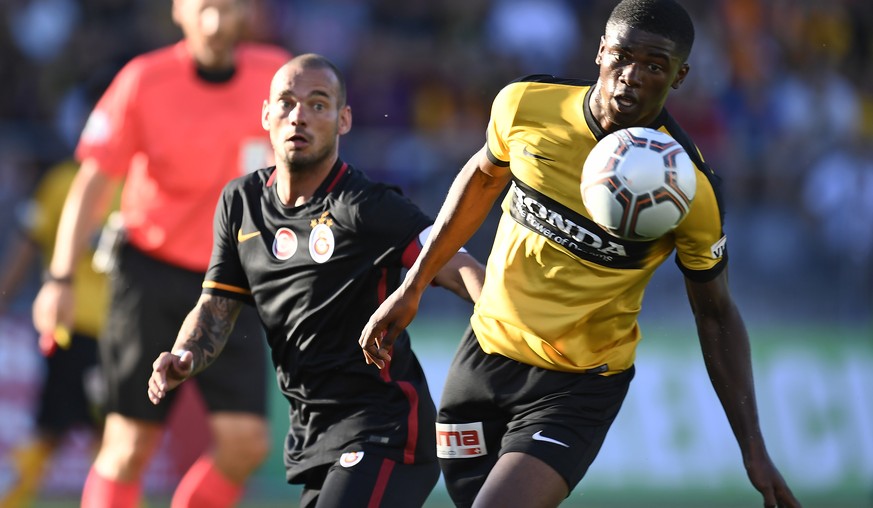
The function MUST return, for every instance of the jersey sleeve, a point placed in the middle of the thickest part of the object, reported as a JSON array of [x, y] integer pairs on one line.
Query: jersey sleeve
[[225, 276], [414, 248], [110, 135], [503, 110], [700, 241], [392, 222]]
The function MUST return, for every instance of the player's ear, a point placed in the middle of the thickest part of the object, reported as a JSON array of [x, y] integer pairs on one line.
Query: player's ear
[[345, 120], [265, 116], [680, 76], [600, 50]]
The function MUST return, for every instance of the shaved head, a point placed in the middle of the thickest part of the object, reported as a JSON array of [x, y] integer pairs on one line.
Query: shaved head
[[309, 61]]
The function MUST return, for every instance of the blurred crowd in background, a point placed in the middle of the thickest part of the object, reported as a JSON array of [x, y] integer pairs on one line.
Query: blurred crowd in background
[[779, 99]]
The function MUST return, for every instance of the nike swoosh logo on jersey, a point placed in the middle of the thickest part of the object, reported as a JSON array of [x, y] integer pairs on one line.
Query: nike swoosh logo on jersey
[[527, 153], [540, 437], [241, 237]]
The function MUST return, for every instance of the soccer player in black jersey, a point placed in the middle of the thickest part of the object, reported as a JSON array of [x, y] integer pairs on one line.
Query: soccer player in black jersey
[[541, 375], [315, 246]]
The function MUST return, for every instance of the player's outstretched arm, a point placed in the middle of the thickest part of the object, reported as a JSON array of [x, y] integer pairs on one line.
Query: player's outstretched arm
[[470, 198], [726, 352], [201, 339], [462, 275]]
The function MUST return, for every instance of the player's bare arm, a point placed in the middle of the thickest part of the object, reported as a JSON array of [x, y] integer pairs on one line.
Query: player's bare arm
[[206, 329], [470, 198], [201, 339], [84, 210], [726, 353], [462, 275]]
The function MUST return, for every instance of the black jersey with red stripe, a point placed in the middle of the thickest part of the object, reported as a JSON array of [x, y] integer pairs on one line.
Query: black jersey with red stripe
[[316, 273]]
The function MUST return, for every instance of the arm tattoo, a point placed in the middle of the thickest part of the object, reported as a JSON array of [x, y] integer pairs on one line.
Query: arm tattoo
[[206, 329]]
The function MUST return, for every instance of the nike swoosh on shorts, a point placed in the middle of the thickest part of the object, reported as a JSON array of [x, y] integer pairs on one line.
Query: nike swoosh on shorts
[[538, 436]]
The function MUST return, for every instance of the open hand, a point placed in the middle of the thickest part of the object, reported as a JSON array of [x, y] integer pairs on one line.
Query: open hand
[[168, 372]]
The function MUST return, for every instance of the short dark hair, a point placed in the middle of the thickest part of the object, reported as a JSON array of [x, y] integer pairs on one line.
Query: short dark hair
[[662, 17]]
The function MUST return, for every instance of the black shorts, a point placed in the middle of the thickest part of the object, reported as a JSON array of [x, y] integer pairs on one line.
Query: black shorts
[[70, 390], [360, 479], [150, 300], [493, 405]]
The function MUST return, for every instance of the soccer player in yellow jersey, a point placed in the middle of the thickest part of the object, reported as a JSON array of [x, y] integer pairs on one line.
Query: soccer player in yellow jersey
[[543, 371]]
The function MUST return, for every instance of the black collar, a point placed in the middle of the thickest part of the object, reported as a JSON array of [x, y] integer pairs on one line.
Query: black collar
[[216, 76], [598, 131]]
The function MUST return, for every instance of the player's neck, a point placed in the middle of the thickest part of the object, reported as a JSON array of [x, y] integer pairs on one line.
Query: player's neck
[[295, 187]]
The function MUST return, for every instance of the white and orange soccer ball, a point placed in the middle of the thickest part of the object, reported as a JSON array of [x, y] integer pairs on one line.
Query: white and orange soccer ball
[[638, 183]]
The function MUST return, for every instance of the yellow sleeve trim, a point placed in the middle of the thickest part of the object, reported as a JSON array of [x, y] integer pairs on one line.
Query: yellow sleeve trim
[[209, 284]]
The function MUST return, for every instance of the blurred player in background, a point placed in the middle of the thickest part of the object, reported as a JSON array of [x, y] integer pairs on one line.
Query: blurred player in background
[[69, 396], [176, 124], [315, 246], [541, 375]]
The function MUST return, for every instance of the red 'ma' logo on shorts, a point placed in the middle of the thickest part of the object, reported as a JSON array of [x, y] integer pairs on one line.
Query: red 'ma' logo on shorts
[[460, 440]]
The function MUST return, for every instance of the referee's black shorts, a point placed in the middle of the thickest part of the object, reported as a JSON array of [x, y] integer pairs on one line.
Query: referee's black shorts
[[492, 405], [150, 300]]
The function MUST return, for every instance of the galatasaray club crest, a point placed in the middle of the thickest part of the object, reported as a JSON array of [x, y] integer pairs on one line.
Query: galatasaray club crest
[[284, 244], [349, 459], [321, 241]]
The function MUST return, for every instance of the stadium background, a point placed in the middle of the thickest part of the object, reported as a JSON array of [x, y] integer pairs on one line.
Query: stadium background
[[780, 100]]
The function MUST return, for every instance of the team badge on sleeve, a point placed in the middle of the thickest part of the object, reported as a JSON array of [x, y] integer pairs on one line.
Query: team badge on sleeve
[[284, 244], [349, 459], [460, 440]]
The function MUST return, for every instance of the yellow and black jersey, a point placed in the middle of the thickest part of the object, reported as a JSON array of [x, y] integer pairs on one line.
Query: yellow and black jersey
[[39, 222], [560, 292]]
